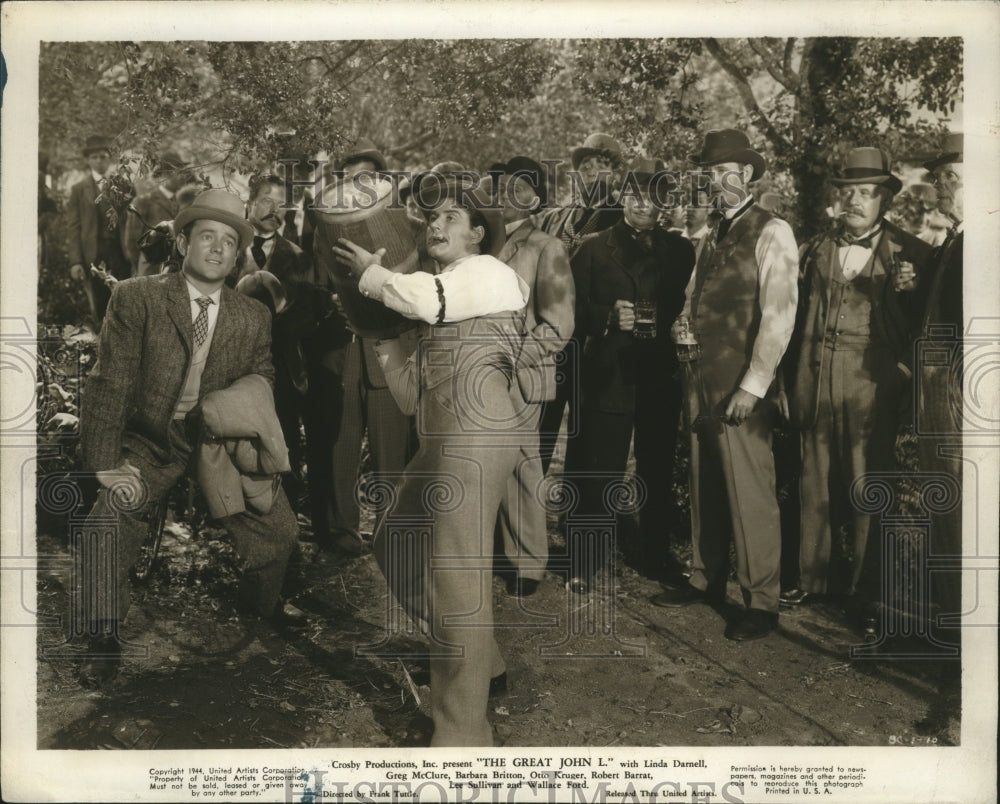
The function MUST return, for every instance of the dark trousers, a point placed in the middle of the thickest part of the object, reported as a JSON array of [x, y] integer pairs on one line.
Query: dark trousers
[[114, 533], [604, 448], [322, 415], [109, 252], [390, 439], [567, 394]]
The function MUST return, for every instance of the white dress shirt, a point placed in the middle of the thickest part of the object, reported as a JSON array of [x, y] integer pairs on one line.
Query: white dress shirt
[[467, 288]]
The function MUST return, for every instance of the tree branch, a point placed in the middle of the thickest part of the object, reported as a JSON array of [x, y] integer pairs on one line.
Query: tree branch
[[786, 62], [770, 62], [745, 92]]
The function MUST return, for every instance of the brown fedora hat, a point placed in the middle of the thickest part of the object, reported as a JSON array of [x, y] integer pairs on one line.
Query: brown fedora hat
[[433, 188], [729, 145], [363, 149], [867, 166], [217, 205], [950, 152], [95, 144], [602, 144]]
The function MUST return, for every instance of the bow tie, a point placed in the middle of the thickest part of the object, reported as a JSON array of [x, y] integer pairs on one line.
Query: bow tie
[[847, 239], [644, 239]]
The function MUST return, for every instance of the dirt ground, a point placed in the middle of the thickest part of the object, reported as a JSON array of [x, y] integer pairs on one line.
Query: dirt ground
[[604, 669]]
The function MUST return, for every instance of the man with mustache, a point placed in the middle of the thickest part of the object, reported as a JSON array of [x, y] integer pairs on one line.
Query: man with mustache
[[269, 251], [742, 314], [847, 370]]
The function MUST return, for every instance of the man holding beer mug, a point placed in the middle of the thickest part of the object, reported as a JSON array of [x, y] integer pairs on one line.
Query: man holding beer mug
[[630, 282], [846, 370]]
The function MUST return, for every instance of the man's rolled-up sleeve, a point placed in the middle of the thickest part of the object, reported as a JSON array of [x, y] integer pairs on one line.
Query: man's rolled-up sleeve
[[777, 279]]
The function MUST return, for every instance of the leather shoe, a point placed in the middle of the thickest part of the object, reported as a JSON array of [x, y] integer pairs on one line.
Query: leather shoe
[[755, 624], [498, 685], [684, 596], [578, 585], [102, 662], [794, 597], [522, 587], [289, 616]]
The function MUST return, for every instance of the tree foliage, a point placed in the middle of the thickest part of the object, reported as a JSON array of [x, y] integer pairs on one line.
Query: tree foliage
[[237, 106]]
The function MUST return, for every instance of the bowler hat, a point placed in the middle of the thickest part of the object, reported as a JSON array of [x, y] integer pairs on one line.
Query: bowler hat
[[602, 144], [95, 144], [530, 170], [868, 166], [433, 188], [729, 145], [644, 170], [363, 149], [217, 205], [168, 162], [950, 153]]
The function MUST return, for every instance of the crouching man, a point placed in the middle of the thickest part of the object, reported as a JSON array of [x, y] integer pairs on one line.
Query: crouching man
[[167, 341]]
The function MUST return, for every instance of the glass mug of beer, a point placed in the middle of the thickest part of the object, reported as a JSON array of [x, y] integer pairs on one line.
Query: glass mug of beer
[[645, 319]]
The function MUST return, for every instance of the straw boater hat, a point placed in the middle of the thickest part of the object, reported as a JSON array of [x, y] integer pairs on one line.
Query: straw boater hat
[[95, 144], [433, 188], [951, 152], [217, 205], [867, 166], [601, 144], [729, 145]]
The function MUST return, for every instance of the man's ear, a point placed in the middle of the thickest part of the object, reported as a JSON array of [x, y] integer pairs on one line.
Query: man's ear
[[182, 243], [481, 234]]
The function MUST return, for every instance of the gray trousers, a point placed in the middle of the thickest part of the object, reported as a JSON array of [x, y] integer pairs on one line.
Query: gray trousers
[[112, 539]]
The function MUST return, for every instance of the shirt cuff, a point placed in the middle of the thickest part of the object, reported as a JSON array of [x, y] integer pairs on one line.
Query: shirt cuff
[[373, 280], [755, 384]]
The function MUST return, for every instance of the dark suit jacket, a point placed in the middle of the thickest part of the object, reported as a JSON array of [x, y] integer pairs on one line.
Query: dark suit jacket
[[541, 261], [82, 221], [891, 321], [145, 349], [286, 261], [153, 208], [608, 267]]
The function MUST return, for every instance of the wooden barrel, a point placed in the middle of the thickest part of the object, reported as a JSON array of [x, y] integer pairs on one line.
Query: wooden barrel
[[368, 218]]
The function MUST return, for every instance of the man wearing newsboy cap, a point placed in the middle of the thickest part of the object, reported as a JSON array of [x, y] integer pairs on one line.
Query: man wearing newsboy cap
[[742, 313], [167, 341], [846, 369]]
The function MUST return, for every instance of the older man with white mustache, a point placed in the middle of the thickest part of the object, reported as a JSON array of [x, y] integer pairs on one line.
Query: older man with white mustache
[[847, 372]]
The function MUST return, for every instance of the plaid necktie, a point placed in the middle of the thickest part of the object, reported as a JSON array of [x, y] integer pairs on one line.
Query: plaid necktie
[[201, 322]]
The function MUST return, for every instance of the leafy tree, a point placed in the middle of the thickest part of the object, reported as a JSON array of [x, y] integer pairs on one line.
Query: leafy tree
[[806, 101]]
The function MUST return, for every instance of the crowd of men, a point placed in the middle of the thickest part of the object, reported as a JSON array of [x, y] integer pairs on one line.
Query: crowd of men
[[646, 326]]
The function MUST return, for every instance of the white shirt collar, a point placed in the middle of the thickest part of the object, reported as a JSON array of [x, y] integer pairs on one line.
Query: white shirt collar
[[97, 176], [513, 227], [699, 234], [165, 191], [731, 212], [194, 293]]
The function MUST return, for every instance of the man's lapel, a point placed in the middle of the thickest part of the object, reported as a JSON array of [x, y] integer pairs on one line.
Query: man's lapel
[[179, 309], [226, 331], [513, 243]]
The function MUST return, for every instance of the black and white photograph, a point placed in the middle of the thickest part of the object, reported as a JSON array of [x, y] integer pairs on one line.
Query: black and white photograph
[[531, 401]]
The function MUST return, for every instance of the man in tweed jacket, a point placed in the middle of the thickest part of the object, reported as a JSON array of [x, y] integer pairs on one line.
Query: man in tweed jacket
[[168, 340]]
